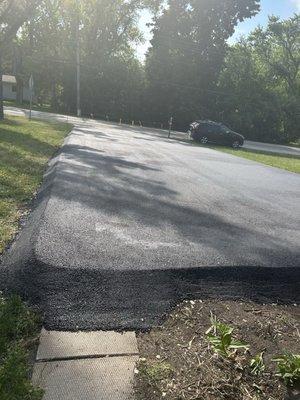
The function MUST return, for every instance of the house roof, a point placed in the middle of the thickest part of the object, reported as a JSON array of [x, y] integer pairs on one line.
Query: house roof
[[9, 79]]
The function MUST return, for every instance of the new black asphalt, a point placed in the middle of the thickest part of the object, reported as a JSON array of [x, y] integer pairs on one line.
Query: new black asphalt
[[128, 222]]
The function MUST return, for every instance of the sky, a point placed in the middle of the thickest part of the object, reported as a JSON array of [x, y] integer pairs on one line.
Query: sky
[[281, 8]]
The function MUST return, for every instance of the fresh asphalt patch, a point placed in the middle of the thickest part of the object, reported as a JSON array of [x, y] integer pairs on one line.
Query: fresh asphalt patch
[[127, 223]]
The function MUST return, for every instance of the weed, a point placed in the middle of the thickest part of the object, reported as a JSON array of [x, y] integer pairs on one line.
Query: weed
[[257, 364], [220, 337], [156, 371], [288, 365]]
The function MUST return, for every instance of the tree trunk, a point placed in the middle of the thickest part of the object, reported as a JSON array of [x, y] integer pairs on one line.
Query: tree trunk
[[1, 92], [19, 96], [53, 96]]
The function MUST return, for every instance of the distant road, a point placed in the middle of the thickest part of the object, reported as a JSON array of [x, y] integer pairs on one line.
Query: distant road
[[250, 145], [272, 148]]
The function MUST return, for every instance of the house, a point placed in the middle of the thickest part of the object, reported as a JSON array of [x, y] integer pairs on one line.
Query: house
[[10, 88]]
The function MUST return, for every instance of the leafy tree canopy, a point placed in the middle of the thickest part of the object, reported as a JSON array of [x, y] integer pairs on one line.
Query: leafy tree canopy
[[188, 50]]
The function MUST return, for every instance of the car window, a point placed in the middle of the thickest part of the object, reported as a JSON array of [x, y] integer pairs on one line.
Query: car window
[[225, 129], [210, 128], [202, 128], [218, 129]]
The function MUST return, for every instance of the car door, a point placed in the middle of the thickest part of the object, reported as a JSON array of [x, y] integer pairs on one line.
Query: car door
[[226, 136], [215, 134], [210, 132], [202, 130]]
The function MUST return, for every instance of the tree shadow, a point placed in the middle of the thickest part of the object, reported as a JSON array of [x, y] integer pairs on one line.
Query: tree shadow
[[151, 249], [132, 192]]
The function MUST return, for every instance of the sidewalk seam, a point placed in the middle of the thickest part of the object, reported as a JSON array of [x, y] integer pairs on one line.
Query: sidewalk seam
[[85, 357]]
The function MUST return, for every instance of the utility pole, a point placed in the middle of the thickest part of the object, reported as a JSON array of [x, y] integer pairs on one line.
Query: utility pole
[[31, 87], [1, 92], [78, 68]]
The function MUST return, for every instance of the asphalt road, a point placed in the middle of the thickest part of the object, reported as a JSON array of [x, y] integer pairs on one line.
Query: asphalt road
[[127, 222], [248, 144]]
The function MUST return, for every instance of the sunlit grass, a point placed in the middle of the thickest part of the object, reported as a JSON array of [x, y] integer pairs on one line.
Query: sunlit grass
[[287, 162], [25, 148], [25, 105]]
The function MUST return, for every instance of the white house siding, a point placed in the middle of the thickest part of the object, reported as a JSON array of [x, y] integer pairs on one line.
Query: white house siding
[[8, 93], [9, 89]]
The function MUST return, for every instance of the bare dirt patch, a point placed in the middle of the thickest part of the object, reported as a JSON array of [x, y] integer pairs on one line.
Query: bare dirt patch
[[177, 361]]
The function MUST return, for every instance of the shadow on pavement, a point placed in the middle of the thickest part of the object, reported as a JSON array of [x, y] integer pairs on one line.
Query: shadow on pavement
[[89, 294]]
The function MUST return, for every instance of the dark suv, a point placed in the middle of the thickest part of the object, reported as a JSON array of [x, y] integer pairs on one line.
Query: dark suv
[[214, 132]]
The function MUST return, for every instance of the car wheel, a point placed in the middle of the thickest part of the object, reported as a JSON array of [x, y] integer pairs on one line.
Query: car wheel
[[204, 140], [235, 144]]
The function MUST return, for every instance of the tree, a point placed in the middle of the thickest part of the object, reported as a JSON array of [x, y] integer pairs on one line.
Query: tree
[[262, 81], [188, 50], [107, 31], [279, 47], [13, 14]]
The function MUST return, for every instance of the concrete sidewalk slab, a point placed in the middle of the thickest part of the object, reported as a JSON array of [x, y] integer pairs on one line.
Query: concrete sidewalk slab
[[65, 345], [90, 379]]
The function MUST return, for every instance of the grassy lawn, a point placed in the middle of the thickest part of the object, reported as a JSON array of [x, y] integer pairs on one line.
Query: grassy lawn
[[25, 105], [287, 162], [19, 329], [25, 148], [290, 163]]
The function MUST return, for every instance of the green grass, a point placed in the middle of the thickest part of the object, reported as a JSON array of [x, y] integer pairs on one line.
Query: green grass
[[25, 148], [19, 329], [287, 162], [36, 107], [25, 105], [155, 371]]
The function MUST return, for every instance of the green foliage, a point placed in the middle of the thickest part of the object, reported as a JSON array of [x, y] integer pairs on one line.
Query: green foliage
[[156, 371], [221, 339], [111, 76], [190, 72], [12, 15], [17, 325], [288, 366], [261, 79], [188, 49], [257, 364]]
